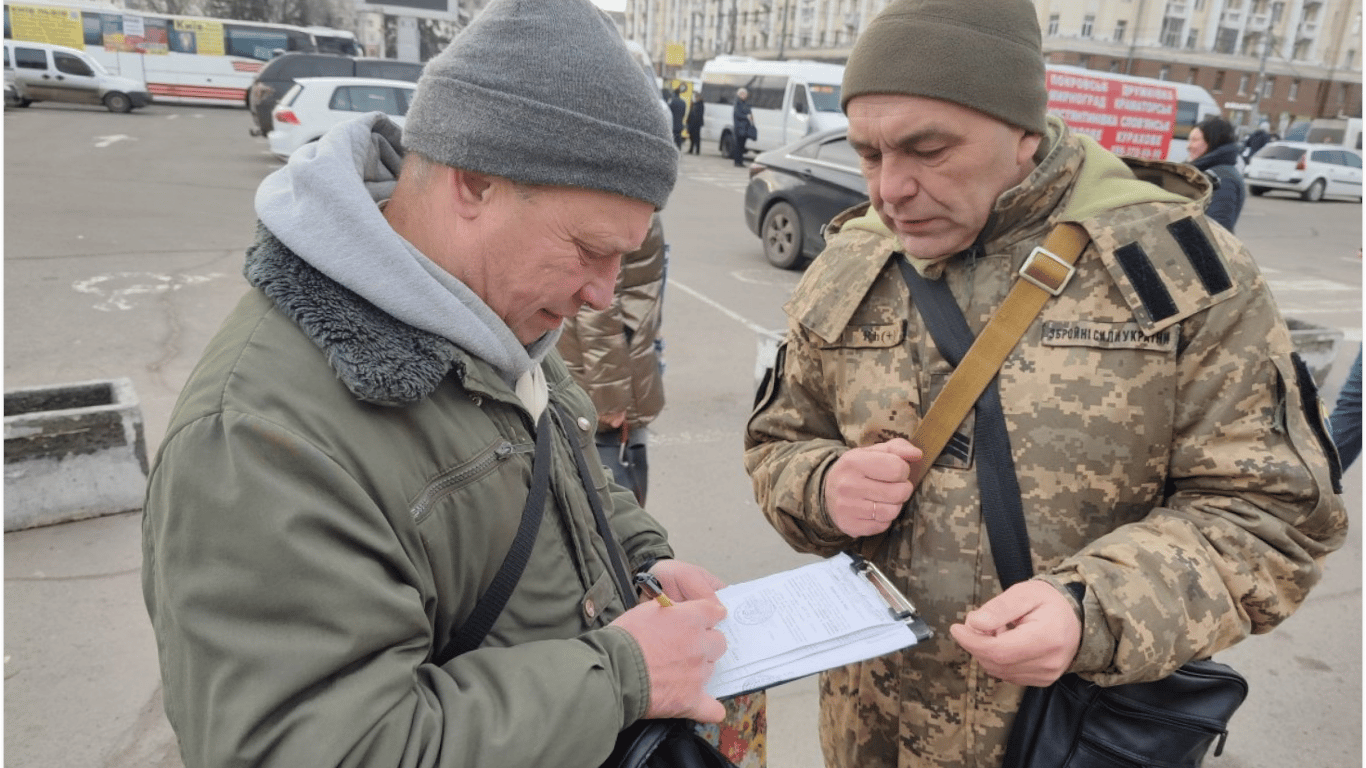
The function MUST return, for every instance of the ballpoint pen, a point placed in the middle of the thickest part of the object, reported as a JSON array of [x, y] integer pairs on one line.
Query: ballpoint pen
[[648, 584]]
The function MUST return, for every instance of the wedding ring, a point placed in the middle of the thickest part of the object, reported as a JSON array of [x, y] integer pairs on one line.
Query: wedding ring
[[875, 510]]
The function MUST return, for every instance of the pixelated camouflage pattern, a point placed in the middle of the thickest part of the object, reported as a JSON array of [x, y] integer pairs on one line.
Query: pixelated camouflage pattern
[[1167, 466]]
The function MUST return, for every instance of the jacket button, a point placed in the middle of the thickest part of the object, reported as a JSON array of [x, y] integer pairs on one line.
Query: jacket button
[[583, 424], [590, 609]]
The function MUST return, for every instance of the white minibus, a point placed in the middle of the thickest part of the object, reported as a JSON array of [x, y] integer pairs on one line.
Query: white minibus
[[789, 99]]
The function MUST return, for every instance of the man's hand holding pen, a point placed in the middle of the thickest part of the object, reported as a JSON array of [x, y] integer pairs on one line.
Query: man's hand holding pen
[[679, 641]]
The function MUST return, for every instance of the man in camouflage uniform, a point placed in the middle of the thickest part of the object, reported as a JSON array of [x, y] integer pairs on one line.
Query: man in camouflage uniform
[[1178, 486]]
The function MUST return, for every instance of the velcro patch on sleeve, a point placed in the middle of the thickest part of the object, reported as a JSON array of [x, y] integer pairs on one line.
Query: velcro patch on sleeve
[[1167, 264], [1157, 300], [1201, 254]]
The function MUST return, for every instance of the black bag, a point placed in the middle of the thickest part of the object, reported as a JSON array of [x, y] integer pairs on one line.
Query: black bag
[[665, 744], [753, 131], [1073, 723], [1170, 722]]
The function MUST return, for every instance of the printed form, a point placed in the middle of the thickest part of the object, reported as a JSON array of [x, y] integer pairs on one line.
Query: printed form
[[809, 619]]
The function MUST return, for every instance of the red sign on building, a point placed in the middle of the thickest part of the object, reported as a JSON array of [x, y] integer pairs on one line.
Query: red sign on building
[[1126, 118]]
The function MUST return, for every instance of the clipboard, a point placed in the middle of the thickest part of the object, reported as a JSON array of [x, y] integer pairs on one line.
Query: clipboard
[[796, 623]]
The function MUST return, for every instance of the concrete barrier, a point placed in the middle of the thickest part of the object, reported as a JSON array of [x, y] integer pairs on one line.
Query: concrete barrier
[[1317, 344], [73, 451]]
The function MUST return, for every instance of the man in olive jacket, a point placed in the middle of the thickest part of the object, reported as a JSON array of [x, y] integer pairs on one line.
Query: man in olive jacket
[[1178, 486], [347, 466]]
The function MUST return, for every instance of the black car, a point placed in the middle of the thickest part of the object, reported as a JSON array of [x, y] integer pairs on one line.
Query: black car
[[795, 190], [278, 76]]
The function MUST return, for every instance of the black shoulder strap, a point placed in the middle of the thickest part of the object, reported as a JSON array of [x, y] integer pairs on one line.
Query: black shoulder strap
[[1000, 489], [609, 539], [491, 603]]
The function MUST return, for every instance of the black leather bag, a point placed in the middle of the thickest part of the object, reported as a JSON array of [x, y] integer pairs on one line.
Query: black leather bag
[[1170, 722], [1074, 723], [665, 744]]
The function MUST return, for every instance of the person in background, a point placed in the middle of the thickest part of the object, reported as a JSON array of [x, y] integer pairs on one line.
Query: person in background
[[1213, 148], [348, 465], [741, 120], [1257, 139], [696, 117], [1177, 487], [1346, 417], [1345, 421], [614, 353], [676, 109]]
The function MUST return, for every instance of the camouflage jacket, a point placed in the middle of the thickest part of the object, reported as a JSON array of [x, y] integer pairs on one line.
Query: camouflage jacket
[[1170, 448]]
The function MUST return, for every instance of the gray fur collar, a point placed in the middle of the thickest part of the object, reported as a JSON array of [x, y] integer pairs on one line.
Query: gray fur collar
[[380, 359]]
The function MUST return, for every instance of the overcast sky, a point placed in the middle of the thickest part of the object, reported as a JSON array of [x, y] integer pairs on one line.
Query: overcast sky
[[611, 5]]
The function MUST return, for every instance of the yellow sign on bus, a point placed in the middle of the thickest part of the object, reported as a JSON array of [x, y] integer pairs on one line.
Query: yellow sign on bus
[[57, 26]]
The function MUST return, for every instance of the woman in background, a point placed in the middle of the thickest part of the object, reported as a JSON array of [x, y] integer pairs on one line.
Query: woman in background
[[1214, 149]]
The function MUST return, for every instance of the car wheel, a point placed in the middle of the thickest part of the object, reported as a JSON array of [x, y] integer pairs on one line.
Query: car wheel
[[25, 102], [118, 102], [1315, 191], [1257, 191], [782, 236], [727, 147]]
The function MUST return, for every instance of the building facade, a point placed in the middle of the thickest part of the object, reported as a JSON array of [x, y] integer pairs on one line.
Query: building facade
[[1273, 60]]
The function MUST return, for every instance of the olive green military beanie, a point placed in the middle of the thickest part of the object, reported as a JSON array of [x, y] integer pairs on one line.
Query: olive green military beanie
[[983, 54], [545, 92]]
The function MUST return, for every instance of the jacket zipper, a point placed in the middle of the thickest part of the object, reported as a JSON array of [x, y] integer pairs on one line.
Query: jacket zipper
[[458, 477]]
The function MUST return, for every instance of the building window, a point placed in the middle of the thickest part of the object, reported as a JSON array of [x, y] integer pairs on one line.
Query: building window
[[1277, 11], [1084, 60], [1294, 89], [1052, 25], [1350, 60], [1087, 23], [1193, 74], [1114, 65], [1227, 39], [1242, 84], [1218, 80], [1199, 5], [1193, 38], [1171, 32], [1268, 87], [1119, 30], [1165, 73]]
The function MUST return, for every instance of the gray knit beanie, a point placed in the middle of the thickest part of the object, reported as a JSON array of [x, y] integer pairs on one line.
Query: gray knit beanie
[[545, 92], [983, 54]]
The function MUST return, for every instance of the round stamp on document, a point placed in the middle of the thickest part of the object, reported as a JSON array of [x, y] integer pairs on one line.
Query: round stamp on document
[[755, 610]]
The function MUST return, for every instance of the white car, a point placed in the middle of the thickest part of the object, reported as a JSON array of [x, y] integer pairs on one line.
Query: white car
[[315, 104], [1311, 170]]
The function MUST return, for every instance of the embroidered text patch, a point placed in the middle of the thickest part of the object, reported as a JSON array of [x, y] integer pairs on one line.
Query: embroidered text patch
[[1106, 336]]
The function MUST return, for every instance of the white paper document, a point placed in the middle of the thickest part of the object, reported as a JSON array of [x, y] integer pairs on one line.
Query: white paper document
[[809, 619]]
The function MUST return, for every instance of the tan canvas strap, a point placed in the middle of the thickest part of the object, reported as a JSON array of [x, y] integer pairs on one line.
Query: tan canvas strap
[[1045, 274]]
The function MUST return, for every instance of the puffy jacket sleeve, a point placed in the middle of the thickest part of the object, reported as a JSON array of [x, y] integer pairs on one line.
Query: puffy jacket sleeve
[[1251, 508], [335, 669]]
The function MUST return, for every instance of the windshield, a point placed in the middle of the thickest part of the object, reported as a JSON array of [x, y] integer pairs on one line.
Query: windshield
[[825, 98]]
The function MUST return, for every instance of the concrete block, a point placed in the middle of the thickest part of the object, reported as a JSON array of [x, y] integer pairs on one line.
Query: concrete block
[[1317, 344], [73, 451]]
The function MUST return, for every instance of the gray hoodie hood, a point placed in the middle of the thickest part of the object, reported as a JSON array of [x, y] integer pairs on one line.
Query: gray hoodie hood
[[323, 206]]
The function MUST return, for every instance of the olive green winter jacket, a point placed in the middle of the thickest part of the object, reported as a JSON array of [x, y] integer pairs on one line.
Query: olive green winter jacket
[[310, 553]]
